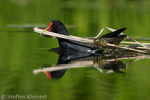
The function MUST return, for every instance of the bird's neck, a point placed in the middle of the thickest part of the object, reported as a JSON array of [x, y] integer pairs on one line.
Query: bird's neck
[[61, 40]]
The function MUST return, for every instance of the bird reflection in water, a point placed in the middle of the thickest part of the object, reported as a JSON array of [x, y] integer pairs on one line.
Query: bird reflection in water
[[104, 63]]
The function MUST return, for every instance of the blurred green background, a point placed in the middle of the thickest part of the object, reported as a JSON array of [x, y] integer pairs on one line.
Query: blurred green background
[[22, 50]]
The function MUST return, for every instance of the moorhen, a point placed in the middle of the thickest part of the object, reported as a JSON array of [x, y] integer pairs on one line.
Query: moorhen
[[58, 27]]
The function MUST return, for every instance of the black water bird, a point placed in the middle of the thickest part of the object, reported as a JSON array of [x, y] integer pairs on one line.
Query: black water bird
[[58, 27]]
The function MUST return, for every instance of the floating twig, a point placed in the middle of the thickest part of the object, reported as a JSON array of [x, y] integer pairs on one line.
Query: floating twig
[[127, 48], [85, 40], [126, 42], [65, 66]]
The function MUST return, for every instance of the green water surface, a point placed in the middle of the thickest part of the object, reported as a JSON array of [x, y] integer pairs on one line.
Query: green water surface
[[22, 50]]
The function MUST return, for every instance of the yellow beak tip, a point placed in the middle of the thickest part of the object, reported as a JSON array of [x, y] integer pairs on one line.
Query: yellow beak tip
[[45, 30]]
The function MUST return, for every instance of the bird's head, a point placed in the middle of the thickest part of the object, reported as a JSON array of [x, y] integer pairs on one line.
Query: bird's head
[[57, 27]]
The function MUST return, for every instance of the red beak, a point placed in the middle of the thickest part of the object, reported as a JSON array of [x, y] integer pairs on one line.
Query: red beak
[[49, 27]]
